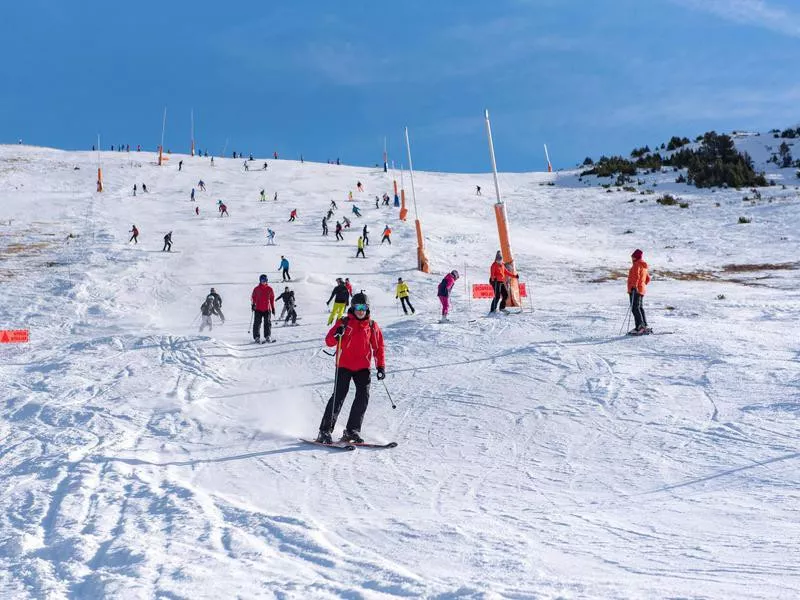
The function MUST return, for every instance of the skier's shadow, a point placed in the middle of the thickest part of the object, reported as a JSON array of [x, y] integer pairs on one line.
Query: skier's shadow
[[297, 447]]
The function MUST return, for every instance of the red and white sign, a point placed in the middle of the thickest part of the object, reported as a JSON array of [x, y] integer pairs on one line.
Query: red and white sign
[[485, 291], [13, 336]]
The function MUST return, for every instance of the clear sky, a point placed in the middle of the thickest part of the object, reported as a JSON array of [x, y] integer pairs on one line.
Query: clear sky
[[331, 79]]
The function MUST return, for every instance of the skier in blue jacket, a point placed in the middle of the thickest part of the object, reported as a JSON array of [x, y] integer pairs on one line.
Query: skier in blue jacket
[[284, 268]]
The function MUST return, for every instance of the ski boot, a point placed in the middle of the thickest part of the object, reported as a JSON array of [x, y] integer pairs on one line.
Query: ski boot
[[324, 437], [351, 437]]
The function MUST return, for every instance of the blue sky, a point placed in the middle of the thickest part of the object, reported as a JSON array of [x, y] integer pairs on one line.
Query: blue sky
[[331, 79]]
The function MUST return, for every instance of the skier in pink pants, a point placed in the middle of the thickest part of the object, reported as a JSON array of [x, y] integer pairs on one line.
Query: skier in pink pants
[[444, 292]]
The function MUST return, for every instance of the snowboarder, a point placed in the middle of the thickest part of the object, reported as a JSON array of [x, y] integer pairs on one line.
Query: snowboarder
[[288, 307], [498, 276], [324, 225], [284, 268], [262, 303], [443, 292], [206, 310], [365, 235], [346, 222], [134, 235], [638, 278], [216, 301], [223, 210], [167, 243], [293, 215], [402, 293], [387, 235], [360, 246], [270, 237], [356, 212], [340, 297], [357, 339]]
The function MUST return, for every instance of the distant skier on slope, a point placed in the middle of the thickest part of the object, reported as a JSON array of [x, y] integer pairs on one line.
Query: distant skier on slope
[[356, 212], [360, 247], [324, 225], [216, 301], [284, 268], [638, 278], [134, 235], [387, 235], [402, 293], [270, 237], [443, 292], [223, 210], [167, 243], [340, 297], [357, 339], [206, 310], [293, 215], [262, 303], [289, 307], [365, 235], [349, 286], [339, 235]]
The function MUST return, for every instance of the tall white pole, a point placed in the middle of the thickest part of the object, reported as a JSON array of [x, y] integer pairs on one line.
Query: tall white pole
[[491, 155], [163, 127], [191, 116], [411, 174]]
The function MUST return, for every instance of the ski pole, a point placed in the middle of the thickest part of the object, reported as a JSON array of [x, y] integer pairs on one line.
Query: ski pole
[[388, 395], [252, 316], [335, 379], [627, 315], [195, 318]]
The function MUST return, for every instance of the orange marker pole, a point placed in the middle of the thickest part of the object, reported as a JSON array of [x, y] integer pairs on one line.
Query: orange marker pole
[[422, 259], [502, 225], [99, 179], [403, 209]]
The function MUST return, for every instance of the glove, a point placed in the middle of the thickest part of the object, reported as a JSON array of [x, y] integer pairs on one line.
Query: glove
[[253, 307], [381, 373], [273, 313], [339, 332]]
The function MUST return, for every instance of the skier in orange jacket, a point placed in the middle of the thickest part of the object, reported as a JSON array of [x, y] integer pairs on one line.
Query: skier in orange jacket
[[498, 276], [638, 278]]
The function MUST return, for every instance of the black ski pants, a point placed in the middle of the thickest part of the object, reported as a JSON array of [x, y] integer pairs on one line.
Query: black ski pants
[[339, 236], [291, 314], [405, 301], [386, 238], [286, 276], [343, 376], [361, 253], [167, 246], [637, 309], [258, 317], [500, 295]]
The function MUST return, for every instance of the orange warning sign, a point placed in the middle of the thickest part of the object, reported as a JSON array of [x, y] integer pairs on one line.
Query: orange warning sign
[[485, 291], [13, 336]]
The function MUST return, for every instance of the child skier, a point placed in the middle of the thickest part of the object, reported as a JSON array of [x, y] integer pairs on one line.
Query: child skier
[[357, 339], [262, 303], [443, 292], [638, 278], [216, 301], [206, 310], [348, 285], [402, 293]]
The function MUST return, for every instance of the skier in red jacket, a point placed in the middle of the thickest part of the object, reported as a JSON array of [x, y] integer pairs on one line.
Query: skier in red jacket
[[263, 305], [357, 339]]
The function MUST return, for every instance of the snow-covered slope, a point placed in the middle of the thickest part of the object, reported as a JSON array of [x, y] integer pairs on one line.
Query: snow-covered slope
[[541, 455]]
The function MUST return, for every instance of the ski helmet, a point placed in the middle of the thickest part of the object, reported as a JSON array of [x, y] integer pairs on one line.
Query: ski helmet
[[360, 298], [263, 278], [454, 273]]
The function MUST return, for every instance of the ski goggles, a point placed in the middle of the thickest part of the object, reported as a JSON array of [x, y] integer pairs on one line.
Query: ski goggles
[[360, 307]]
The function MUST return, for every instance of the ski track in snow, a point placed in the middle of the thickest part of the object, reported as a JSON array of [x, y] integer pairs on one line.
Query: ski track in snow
[[541, 455]]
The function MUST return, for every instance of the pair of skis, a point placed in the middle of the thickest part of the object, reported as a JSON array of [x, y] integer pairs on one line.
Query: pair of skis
[[348, 446]]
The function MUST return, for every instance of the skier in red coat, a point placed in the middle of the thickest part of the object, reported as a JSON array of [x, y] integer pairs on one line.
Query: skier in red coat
[[357, 339], [262, 302]]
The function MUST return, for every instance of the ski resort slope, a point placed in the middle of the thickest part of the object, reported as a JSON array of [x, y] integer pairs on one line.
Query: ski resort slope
[[540, 455]]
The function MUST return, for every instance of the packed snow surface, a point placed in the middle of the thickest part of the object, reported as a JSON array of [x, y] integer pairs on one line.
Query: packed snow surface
[[541, 455]]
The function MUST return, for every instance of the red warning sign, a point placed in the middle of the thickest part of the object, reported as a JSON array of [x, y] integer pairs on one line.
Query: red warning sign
[[484, 290], [13, 336]]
